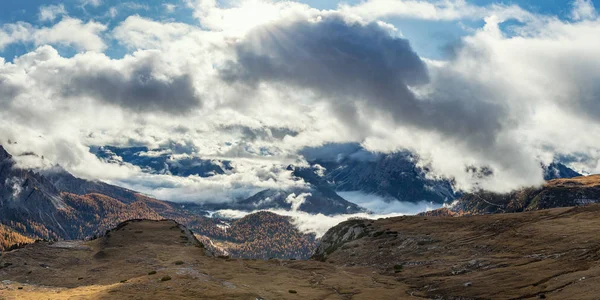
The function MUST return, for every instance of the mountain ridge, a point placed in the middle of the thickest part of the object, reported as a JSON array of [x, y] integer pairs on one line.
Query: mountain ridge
[[563, 192]]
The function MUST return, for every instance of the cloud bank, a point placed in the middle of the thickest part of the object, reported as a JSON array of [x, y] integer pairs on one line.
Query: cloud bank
[[256, 82]]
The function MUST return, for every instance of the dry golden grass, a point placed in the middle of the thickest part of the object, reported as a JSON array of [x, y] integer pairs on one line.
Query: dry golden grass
[[582, 181], [554, 253], [117, 267]]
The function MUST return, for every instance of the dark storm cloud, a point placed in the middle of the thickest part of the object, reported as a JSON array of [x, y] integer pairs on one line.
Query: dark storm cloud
[[334, 152], [330, 56], [264, 133], [8, 91], [356, 66], [140, 91]]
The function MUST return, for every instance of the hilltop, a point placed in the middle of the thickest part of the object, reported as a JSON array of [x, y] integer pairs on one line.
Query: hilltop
[[147, 259]]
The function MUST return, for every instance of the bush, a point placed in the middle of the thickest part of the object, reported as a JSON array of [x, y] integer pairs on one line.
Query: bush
[[179, 262], [398, 268], [165, 278], [151, 272], [293, 292], [378, 233]]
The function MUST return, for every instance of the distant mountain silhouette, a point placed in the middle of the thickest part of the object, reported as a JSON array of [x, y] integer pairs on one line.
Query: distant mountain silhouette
[[392, 176], [555, 193], [161, 161]]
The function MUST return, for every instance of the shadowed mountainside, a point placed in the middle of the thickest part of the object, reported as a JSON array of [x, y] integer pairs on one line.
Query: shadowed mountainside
[[56, 205]]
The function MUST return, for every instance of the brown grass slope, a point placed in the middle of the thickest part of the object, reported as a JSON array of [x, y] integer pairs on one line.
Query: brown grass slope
[[550, 254], [162, 260]]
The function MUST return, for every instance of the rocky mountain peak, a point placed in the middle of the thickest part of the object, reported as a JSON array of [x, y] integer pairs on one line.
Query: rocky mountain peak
[[4, 155]]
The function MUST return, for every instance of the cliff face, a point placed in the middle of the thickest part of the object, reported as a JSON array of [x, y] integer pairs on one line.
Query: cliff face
[[28, 200]]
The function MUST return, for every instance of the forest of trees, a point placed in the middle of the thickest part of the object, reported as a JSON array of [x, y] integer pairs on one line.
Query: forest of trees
[[261, 235], [10, 238]]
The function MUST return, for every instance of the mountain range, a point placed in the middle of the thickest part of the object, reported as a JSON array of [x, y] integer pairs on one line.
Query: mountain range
[[394, 176], [161, 161], [55, 205], [564, 192], [332, 168]]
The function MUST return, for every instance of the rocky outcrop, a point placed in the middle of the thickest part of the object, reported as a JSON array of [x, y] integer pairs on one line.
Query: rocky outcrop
[[3, 154], [339, 235]]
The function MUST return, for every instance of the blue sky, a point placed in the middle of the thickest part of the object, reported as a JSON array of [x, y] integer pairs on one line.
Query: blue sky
[[429, 38]]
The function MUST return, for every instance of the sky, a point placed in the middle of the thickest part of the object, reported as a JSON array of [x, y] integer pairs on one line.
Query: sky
[[502, 85], [429, 37]]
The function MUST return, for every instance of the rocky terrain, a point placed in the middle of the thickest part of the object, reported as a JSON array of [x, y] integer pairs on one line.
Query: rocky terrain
[[546, 254], [563, 192]]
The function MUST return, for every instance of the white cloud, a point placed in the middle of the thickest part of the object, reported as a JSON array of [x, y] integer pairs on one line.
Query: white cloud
[[94, 3], [113, 12], [51, 12], [313, 223], [73, 32], [297, 200], [380, 205], [68, 32], [13, 33], [169, 7], [528, 96], [245, 15], [140, 33], [583, 10], [432, 10]]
